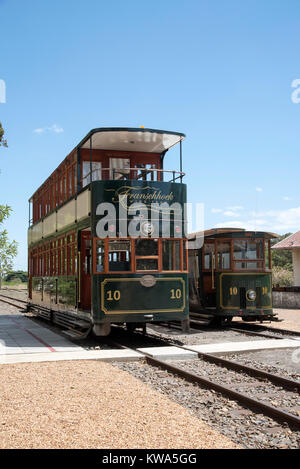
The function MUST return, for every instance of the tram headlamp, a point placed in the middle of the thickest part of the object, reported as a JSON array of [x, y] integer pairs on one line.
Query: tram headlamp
[[251, 295]]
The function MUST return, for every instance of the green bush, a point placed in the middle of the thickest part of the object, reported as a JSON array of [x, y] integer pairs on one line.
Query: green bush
[[282, 277]]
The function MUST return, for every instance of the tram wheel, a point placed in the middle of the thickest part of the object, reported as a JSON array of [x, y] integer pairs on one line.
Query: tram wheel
[[227, 320], [132, 326], [216, 321], [219, 321]]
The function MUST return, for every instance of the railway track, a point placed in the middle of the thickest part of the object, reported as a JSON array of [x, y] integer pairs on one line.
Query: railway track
[[205, 327], [259, 329], [23, 302], [250, 329], [276, 413]]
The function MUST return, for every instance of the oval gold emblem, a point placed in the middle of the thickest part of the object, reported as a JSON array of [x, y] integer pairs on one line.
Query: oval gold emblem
[[148, 280], [147, 228]]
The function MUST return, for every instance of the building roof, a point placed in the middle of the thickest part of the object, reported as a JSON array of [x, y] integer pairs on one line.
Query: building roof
[[292, 241]]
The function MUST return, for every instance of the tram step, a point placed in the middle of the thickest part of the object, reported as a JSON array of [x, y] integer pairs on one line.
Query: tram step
[[73, 334], [42, 313], [82, 324]]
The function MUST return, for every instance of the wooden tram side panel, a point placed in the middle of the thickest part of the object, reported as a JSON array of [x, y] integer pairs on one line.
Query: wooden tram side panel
[[62, 183]]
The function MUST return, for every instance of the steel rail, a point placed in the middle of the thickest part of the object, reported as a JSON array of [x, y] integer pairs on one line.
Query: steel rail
[[255, 372], [266, 409], [242, 327], [15, 299], [253, 333], [11, 304], [202, 326]]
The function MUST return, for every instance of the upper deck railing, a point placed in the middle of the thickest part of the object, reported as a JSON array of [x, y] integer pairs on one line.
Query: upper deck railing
[[48, 203], [143, 174]]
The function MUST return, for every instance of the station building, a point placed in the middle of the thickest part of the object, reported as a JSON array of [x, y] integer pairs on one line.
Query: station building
[[292, 243]]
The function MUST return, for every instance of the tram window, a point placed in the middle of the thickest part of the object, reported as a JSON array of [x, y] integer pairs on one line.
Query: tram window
[[119, 168], [171, 254], [86, 172], [146, 251], [100, 255], [119, 255], [209, 255], [87, 257], [75, 259], [146, 247], [223, 255], [146, 264], [244, 249]]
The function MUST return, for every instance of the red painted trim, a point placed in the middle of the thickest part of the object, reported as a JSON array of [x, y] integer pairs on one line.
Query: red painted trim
[[35, 336]]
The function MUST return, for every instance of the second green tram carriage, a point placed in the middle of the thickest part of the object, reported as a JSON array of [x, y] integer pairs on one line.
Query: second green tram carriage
[[106, 236], [230, 274]]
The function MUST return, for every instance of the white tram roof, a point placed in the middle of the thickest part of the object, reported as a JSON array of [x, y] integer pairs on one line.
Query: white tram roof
[[228, 231], [131, 139]]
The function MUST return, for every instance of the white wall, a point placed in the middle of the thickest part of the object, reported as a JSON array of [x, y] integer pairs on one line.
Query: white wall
[[296, 266]]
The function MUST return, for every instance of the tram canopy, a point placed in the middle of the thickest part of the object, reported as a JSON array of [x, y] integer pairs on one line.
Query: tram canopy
[[131, 139], [230, 231]]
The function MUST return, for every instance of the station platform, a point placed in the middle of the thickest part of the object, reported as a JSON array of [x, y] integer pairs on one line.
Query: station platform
[[24, 341], [169, 353], [247, 346], [175, 353]]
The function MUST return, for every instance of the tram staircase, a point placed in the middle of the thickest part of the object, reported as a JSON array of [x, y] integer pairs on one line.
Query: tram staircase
[[73, 326]]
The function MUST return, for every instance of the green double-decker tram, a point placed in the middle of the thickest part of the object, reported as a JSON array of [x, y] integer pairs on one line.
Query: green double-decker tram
[[107, 237]]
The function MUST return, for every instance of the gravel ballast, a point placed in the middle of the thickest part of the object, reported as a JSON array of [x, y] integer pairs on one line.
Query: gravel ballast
[[93, 405], [238, 423]]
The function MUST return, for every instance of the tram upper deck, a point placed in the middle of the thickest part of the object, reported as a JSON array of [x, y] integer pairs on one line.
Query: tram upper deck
[[107, 154]]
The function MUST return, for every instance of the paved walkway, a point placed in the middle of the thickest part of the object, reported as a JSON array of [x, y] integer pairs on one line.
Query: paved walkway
[[21, 335], [22, 340], [247, 346], [175, 353]]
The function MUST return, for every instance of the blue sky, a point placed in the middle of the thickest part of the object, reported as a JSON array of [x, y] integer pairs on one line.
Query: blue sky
[[219, 71]]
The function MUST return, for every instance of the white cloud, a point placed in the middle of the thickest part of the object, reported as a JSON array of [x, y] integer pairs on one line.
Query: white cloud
[[235, 207], [287, 198], [276, 221], [258, 189], [216, 210], [230, 213], [53, 128]]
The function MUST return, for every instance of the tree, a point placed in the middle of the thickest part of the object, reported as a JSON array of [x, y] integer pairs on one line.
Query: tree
[[282, 257], [3, 142], [18, 275], [8, 249]]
